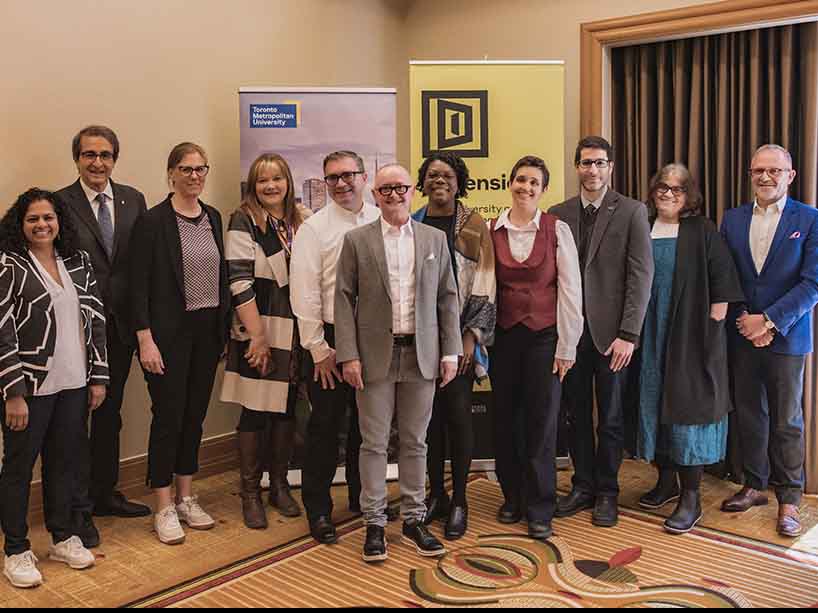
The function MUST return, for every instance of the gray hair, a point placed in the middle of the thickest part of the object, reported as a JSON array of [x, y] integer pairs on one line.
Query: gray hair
[[777, 148]]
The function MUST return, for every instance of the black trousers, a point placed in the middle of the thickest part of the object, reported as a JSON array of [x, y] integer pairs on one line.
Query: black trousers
[[768, 395], [596, 459], [55, 424], [180, 398], [327, 422], [98, 471], [526, 406], [452, 421]]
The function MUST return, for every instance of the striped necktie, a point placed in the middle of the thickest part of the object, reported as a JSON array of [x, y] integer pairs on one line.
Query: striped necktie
[[106, 224]]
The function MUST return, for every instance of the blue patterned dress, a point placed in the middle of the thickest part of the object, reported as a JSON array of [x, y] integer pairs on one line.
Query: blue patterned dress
[[683, 445]]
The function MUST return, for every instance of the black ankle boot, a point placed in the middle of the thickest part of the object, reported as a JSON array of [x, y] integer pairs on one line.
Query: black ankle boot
[[688, 513], [665, 492]]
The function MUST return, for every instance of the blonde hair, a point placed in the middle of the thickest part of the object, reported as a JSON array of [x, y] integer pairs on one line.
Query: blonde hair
[[250, 203]]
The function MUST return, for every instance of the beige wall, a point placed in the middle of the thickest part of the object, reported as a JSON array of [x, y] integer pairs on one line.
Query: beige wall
[[163, 71]]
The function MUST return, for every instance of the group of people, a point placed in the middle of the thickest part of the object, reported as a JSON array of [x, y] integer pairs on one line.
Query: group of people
[[389, 318]]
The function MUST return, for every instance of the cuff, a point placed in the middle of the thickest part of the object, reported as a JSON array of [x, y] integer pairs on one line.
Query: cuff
[[768, 318], [450, 358], [627, 336], [565, 352], [321, 352]]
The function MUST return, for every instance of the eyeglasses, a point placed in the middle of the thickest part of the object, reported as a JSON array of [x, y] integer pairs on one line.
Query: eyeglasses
[[348, 177], [400, 190], [773, 173], [600, 164], [200, 171], [676, 190], [91, 156]]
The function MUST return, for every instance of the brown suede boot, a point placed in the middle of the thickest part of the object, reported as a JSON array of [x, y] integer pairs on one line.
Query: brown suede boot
[[252, 506], [283, 442]]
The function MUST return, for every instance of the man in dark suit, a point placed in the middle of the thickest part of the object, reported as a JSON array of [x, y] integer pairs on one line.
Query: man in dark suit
[[613, 238], [104, 214], [774, 242]]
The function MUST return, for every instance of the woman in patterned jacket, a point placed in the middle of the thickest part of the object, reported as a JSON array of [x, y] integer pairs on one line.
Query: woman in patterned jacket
[[443, 179], [53, 370], [263, 357]]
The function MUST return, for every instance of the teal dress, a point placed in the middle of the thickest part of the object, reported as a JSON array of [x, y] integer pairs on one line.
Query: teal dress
[[683, 445]]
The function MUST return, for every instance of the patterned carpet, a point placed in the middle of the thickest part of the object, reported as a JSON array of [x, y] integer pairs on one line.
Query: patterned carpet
[[634, 564]]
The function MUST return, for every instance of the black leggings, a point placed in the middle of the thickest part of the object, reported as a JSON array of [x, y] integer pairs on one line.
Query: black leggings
[[452, 419]]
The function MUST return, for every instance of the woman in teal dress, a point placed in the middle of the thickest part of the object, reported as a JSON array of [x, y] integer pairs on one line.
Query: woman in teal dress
[[683, 387]]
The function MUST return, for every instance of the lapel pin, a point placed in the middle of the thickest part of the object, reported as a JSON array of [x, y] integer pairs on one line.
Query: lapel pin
[[795, 235]]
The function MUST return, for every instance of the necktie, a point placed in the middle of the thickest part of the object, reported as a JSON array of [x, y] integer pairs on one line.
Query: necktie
[[106, 224]]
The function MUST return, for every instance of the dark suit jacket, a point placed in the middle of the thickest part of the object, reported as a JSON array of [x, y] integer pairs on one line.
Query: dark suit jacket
[[618, 271], [111, 272], [157, 285]]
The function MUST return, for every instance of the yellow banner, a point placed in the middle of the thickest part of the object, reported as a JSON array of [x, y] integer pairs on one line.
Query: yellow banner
[[492, 114]]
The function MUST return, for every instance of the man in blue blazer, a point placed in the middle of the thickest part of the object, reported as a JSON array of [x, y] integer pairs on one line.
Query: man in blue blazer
[[774, 242]]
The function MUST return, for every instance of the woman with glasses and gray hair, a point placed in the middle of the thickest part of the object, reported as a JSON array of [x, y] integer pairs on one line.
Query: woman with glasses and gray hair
[[181, 309], [683, 388]]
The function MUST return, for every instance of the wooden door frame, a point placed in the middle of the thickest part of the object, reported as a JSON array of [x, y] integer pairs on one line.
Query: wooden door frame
[[599, 36]]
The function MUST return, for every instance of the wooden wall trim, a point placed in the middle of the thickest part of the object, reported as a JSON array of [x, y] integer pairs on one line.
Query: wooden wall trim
[[689, 21]]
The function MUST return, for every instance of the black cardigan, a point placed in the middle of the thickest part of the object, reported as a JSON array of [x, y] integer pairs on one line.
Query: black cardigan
[[696, 389], [157, 282]]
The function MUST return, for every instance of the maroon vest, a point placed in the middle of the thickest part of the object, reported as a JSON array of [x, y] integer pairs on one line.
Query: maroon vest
[[527, 291]]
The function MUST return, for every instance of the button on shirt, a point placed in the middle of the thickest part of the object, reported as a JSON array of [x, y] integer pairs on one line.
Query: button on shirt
[[762, 230], [570, 321], [92, 199], [399, 244], [314, 264]]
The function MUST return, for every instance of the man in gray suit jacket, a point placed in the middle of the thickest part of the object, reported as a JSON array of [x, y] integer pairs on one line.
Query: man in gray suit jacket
[[397, 322], [104, 213], [616, 257]]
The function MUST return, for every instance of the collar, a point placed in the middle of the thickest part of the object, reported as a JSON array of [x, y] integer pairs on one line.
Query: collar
[[596, 203], [776, 205], [503, 221], [387, 228], [92, 194], [366, 211]]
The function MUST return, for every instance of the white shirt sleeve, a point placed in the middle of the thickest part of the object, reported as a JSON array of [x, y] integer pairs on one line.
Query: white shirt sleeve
[[305, 292], [570, 322]]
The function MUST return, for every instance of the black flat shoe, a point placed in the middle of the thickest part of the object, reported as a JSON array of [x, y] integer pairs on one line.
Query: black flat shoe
[[437, 507], [118, 506], [457, 523], [509, 513], [85, 529], [375, 545], [540, 530], [606, 512], [323, 531], [418, 536], [573, 503]]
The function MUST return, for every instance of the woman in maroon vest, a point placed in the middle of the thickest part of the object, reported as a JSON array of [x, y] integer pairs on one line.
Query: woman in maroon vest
[[539, 324]]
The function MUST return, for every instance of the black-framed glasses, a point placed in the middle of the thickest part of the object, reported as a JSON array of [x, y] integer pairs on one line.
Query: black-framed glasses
[[400, 190], [347, 177], [600, 164], [676, 190], [773, 173], [91, 156], [200, 171]]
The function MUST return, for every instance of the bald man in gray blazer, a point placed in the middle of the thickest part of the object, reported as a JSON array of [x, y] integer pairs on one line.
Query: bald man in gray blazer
[[397, 322]]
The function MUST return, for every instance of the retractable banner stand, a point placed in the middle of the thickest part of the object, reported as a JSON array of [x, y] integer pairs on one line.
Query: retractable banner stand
[[491, 114], [303, 125]]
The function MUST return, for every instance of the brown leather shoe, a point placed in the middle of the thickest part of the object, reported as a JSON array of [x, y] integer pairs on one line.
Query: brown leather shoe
[[745, 500], [789, 521]]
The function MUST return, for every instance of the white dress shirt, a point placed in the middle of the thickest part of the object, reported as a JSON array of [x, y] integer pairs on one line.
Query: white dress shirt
[[762, 230], [595, 203], [92, 199], [569, 279], [67, 368], [316, 249]]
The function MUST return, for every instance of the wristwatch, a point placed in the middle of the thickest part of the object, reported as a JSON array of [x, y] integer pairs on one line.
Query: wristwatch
[[769, 324]]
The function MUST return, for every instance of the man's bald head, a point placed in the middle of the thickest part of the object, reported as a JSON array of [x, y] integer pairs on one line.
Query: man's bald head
[[389, 182]]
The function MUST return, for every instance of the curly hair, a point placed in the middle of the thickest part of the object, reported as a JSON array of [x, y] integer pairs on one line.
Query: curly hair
[[455, 162], [12, 238]]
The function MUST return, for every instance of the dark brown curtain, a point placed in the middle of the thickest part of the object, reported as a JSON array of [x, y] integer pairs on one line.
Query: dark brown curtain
[[709, 102]]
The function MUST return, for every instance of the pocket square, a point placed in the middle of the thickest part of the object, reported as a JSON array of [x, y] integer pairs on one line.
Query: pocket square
[[795, 235], [431, 256]]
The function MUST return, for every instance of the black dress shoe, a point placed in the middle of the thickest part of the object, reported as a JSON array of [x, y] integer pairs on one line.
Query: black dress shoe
[[509, 513], [118, 506], [457, 524], [375, 545], [606, 512], [418, 536], [573, 503], [437, 507], [323, 531], [540, 530], [85, 529]]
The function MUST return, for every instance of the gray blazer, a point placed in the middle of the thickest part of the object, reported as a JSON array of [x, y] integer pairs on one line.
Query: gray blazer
[[619, 267], [363, 304]]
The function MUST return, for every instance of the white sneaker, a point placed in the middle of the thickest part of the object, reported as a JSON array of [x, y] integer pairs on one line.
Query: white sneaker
[[193, 515], [167, 526], [21, 570], [73, 553]]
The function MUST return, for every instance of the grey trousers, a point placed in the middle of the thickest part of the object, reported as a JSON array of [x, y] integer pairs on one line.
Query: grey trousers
[[406, 393]]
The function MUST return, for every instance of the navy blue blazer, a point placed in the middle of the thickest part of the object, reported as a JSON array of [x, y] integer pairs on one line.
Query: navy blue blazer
[[787, 287]]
